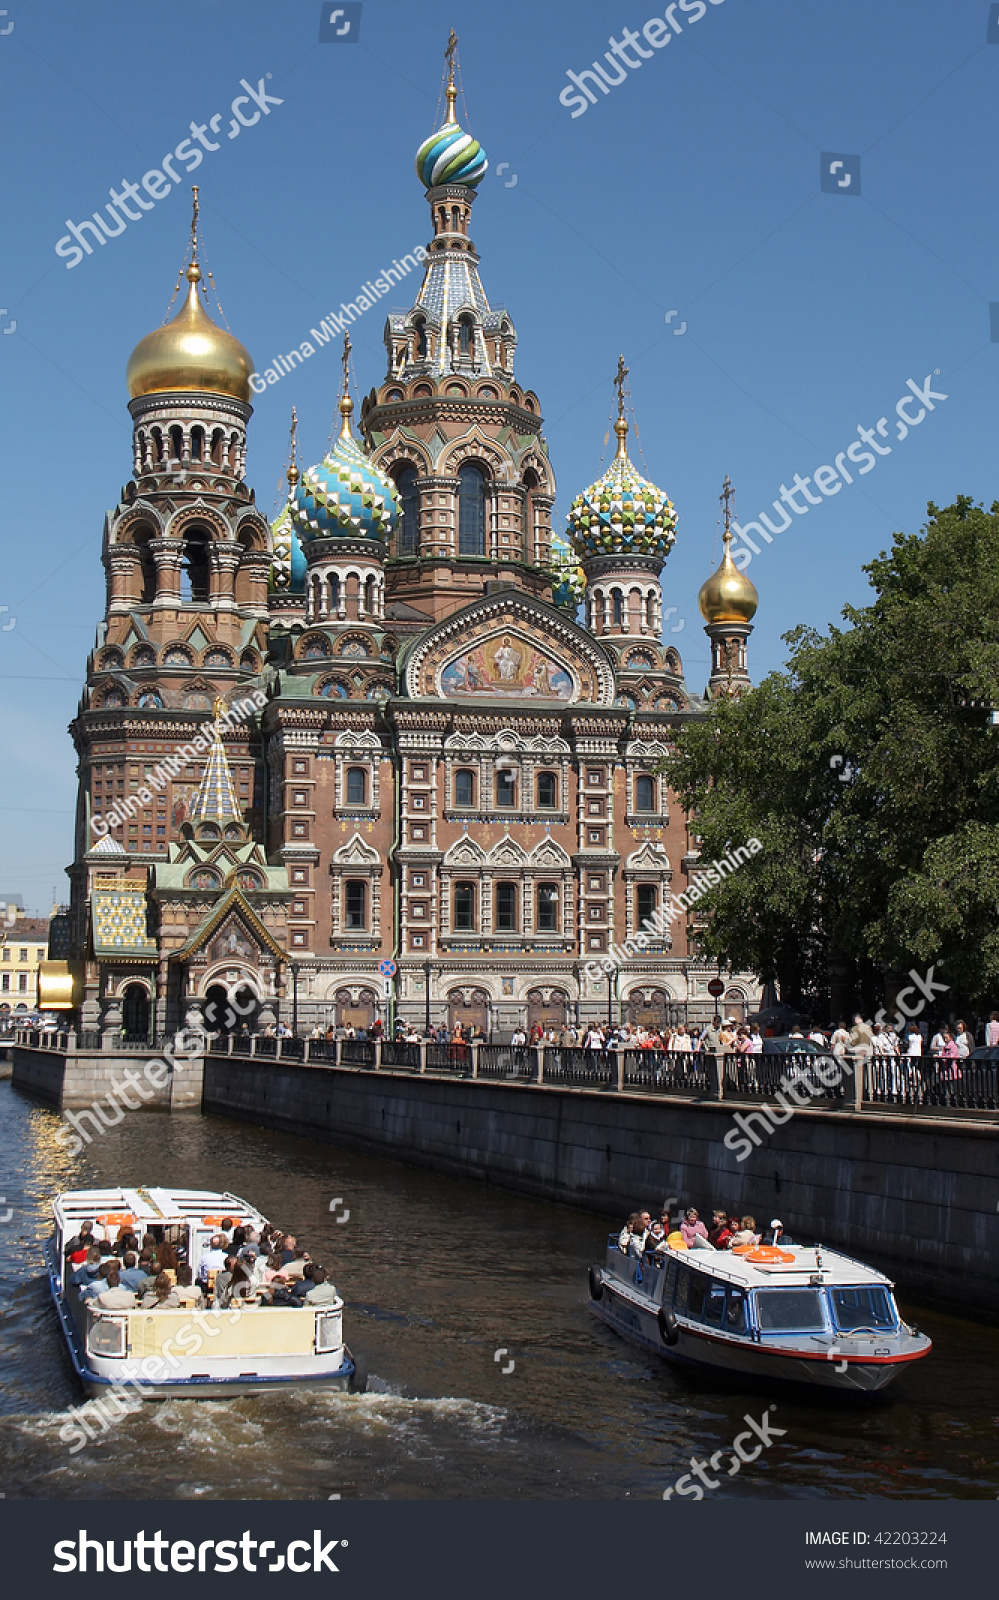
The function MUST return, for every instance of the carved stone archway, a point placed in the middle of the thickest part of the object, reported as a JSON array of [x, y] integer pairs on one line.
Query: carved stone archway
[[470, 1007], [356, 1007], [649, 1007], [547, 1007]]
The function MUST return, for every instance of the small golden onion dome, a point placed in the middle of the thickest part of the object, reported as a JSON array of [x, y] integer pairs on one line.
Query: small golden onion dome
[[728, 595], [191, 352]]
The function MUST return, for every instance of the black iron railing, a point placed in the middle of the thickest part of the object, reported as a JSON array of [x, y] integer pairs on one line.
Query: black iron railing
[[512, 1062], [583, 1067]]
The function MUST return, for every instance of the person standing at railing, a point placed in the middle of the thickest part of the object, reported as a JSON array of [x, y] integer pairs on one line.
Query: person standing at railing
[[992, 1030], [963, 1039], [713, 1048]]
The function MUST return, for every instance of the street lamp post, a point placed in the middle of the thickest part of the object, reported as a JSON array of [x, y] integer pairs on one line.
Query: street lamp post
[[295, 968]]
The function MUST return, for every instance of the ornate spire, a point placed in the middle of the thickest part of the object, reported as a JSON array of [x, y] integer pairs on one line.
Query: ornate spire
[[215, 800], [294, 472], [451, 91], [621, 425], [346, 404]]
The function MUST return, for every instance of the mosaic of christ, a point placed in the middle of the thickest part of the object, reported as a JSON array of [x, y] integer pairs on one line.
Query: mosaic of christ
[[506, 666]]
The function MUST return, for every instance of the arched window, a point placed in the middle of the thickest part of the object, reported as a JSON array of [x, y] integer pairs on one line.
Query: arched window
[[197, 444], [194, 582], [471, 511], [409, 500], [464, 907], [455, 219], [547, 908], [506, 787], [357, 786], [547, 790], [650, 610], [148, 566], [617, 608], [466, 336], [645, 902], [421, 338], [506, 908], [464, 788], [355, 905], [176, 443], [645, 793]]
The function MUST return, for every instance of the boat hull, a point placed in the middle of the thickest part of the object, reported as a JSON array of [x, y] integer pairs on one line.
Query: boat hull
[[636, 1318]]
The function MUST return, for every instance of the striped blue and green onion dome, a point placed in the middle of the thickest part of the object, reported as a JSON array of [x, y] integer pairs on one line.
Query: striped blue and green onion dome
[[344, 496], [568, 578], [450, 156], [622, 513]]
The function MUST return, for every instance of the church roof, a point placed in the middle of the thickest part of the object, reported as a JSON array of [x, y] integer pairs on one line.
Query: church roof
[[232, 900], [215, 800]]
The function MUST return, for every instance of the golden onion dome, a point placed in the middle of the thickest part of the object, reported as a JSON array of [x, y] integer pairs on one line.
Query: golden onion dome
[[728, 595], [191, 352]]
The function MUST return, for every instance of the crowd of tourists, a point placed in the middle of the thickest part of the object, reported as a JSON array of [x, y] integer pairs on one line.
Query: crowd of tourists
[[642, 1232], [239, 1265]]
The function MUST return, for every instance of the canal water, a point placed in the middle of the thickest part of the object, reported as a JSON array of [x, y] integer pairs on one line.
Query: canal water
[[447, 1282]]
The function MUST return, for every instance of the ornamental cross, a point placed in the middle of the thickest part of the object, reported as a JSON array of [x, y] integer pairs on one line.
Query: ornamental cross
[[452, 45], [622, 373], [346, 359], [726, 497]]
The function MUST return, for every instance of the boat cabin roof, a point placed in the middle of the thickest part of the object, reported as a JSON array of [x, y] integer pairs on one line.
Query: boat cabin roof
[[111, 1207], [836, 1270]]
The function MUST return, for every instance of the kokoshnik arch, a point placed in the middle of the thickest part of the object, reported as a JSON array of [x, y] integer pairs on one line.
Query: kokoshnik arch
[[451, 769]]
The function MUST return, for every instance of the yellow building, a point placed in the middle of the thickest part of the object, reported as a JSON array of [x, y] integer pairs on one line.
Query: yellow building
[[23, 944]]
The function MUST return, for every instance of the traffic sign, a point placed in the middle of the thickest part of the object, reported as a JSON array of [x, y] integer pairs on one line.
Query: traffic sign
[[716, 987], [387, 969]]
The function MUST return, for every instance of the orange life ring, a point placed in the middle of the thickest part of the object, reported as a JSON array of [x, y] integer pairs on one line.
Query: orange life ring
[[214, 1222], [742, 1249], [769, 1255], [116, 1219]]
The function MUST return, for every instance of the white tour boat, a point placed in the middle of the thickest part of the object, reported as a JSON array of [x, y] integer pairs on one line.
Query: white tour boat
[[179, 1351], [783, 1313]]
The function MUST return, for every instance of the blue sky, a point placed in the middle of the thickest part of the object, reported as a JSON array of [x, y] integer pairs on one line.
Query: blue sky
[[694, 186]]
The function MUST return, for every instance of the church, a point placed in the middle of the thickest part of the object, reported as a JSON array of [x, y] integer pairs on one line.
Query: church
[[396, 756]]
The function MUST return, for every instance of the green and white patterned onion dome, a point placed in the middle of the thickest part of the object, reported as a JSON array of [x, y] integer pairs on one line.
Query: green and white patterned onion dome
[[288, 569], [622, 512], [568, 577], [450, 156], [345, 495]]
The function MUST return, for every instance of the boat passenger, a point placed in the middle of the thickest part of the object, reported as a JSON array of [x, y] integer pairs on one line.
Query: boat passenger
[[147, 1266], [624, 1237], [693, 1228], [212, 1258], [226, 1226], [150, 1242], [187, 1292], [166, 1261], [80, 1242], [721, 1230], [322, 1292], [655, 1237], [161, 1296], [97, 1285], [88, 1269], [778, 1238], [116, 1297], [222, 1281], [130, 1273], [746, 1233]]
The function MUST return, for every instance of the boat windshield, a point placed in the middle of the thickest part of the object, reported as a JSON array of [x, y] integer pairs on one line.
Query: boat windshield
[[866, 1306], [790, 1310]]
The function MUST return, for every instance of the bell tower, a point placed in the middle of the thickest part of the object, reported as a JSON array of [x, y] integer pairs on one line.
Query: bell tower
[[458, 434], [728, 602]]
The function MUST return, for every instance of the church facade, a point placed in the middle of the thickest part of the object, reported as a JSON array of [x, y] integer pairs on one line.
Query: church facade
[[396, 755]]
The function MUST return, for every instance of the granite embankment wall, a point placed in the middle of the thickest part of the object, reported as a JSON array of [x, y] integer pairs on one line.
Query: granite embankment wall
[[76, 1080], [916, 1197]]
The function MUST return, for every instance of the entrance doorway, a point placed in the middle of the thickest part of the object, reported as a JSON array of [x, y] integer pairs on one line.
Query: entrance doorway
[[135, 1011], [546, 1007], [356, 1008], [734, 1004], [228, 1009], [649, 1008], [470, 1007]]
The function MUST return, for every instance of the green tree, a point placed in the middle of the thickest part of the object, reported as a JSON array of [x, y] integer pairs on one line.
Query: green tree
[[898, 865]]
